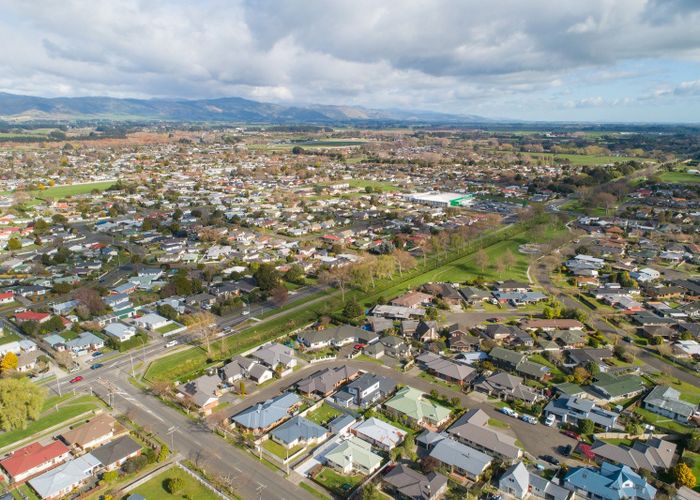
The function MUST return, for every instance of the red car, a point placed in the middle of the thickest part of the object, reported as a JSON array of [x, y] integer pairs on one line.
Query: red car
[[571, 434], [76, 379], [360, 346]]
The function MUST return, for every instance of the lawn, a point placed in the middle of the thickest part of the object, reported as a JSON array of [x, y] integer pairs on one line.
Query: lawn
[[8, 337], [323, 414], [662, 422], [538, 358], [155, 488], [65, 413], [335, 483], [168, 328], [689, 393], [585, 159], [72, 190], [495, 422], [280, 450], [677, 177]]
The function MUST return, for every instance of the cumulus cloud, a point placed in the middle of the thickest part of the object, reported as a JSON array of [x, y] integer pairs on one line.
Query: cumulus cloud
[[448, 55]]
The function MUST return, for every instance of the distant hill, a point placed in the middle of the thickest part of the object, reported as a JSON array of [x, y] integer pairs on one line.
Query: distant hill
[[226, 109]]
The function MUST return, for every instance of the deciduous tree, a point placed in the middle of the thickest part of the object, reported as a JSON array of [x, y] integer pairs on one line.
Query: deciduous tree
[[20, 401]]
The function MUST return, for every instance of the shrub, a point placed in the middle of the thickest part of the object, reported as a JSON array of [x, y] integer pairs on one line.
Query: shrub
[[173, 485]]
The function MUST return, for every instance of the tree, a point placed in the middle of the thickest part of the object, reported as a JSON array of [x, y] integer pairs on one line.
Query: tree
[[167, 311], [14, 244], [338, 277], [481, 259], [581, 375], [352, 310], [163, 453], [174, 485], [91, 299], [8, 363], [683, 475], [241, 388], [404, 260], [295, 274], [20, 401], [279, 295], [508, 260], [409, 446], [266, 276], [203, 324], [586, 426]]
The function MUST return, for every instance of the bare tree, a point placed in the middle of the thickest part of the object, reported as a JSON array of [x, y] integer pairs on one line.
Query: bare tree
[[404, 260], [481, 259], [203, 325], [338, 277]]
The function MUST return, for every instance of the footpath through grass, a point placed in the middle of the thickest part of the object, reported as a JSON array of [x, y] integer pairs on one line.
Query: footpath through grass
[[453, 266]]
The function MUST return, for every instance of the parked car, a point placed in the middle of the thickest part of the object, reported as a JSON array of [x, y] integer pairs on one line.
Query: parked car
[[171, 343], [97, 354], [357, 347], [509, 411], [550, 459], [76, 379], [529, 419], [549, 421], [566, 450], [96, 366], [571, 434]]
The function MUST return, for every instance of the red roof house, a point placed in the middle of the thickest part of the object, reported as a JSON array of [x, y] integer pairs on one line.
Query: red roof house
[[34, 459], [7, 297], [32, 316]]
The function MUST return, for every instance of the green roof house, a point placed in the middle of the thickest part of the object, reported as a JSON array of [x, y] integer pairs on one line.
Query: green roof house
[[413, 403], [353, 454]]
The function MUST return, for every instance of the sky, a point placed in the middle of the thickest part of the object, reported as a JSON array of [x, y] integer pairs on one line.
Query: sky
[[571, 60]]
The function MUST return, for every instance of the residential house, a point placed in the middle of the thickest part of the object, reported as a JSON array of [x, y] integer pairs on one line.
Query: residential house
[[666, 401], [615, 388], [446, 369], [412, 299], [396, 347], [353, 454], [298, 431], [457, 457], [84, 343], [381, 434], [654, 455], [68, 476], [95, 432], [404, 483], [120, 331], [34, 459], [324, 382], [473, 430], [571, 410], [203, 392], [274, 355], [506, 387], [262, 417], [517, 481], [427, 331], [151, 321], [552, 324], [418, 408], [365, 390], [113, 455], [609, 482]]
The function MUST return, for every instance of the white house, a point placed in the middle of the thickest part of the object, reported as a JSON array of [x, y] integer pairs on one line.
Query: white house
[[151, 321], [120, 331]]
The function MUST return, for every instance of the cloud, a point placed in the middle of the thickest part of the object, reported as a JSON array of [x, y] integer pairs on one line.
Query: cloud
[[448, 55]]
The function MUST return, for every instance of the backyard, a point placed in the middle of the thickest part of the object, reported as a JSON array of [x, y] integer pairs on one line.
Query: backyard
[[339, 484], [323, 414]]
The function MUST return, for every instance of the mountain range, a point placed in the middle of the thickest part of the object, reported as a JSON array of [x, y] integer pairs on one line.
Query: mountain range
[[15, 107]]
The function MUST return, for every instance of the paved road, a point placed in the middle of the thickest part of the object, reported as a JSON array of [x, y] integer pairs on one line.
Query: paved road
[[194, 440]]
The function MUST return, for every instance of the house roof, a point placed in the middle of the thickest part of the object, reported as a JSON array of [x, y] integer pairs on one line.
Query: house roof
[[664, 396], [354, 451], [262, 415], [412, 484], [653, 455], [451, 452], [473, 427], [380, 431], [117, 450], [325, 380], [298, 428], [413, 403], [95, 428], [611, 482], [33, 455], [65, 476]]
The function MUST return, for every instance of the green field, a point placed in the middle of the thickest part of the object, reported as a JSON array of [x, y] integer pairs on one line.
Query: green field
[[280, 450], [50, 418], [376, 185], [168, 328], [679, 177], [155, 488], [75, 189], [662, 422], [584, 159]]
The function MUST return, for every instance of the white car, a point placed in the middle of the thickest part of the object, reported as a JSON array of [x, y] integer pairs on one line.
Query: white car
[[529, 419], [171, 343], [549, 421], [510, 412]]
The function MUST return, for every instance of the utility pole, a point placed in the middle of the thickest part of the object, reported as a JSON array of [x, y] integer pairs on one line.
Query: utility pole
[[131, 358], [171, 432]]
